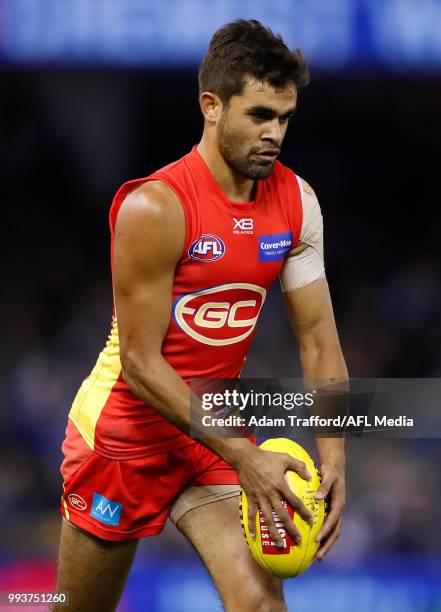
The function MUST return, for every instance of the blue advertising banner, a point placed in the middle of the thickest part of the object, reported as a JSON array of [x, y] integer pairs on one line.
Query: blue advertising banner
[[333, 35]]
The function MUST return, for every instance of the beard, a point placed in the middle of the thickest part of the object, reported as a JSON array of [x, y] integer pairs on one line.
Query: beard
[[237, 156]]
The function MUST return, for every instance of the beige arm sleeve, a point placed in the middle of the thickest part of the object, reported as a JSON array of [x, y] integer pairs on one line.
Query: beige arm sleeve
[[305, 267]]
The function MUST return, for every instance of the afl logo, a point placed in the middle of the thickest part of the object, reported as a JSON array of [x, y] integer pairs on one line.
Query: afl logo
[[221, 315], [207, 248], [77, 501]]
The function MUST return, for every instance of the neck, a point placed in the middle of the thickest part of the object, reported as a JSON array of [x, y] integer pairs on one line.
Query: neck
[[235, 186]]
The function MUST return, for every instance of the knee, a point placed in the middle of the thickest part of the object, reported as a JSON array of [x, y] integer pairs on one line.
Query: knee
[[269, 605], [268, 602], [257, 599]]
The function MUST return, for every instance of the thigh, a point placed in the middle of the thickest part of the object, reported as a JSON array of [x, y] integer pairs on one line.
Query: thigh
[[91, 570], [215, 532]]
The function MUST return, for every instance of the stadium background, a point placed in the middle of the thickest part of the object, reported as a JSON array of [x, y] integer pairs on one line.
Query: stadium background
[[96, 92]]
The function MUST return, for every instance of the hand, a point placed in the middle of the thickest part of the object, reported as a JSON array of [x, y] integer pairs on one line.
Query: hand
[[262, 476], [333, 484]]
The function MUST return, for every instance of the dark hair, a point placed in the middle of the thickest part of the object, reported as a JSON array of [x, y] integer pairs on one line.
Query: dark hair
[[245, 48]]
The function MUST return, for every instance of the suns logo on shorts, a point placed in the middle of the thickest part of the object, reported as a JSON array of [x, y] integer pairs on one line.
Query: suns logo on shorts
[[221, 315], [207, 248], [77, 501]]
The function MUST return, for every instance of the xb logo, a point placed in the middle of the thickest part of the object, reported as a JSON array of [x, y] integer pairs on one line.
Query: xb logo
[[243, 226], [221, 315], [207, 248]]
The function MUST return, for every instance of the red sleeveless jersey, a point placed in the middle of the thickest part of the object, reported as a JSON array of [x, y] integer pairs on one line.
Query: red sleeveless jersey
[[232, 254]]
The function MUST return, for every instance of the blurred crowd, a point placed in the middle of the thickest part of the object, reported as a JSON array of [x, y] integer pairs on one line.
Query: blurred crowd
[[367, 146]]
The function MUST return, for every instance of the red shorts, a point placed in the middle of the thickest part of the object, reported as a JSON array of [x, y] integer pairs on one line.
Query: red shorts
[[124, 500]]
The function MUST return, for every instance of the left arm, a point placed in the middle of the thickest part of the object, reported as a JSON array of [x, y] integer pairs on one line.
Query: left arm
[[311, 315], [309, 308]]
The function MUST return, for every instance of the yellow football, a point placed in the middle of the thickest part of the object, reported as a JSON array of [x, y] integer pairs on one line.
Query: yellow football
[[292, 559]]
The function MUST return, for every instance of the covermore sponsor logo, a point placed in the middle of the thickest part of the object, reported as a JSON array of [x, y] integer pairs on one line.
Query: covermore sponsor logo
[[77, 501], [220, 316], [274, 247]]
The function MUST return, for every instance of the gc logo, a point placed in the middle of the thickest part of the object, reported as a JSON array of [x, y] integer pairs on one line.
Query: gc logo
[[77, 501], [229, 318]]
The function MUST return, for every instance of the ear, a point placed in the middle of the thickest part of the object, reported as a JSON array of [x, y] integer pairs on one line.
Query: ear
[[211, 106]]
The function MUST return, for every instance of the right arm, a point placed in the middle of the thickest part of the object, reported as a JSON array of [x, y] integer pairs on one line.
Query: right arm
[[148, 244]]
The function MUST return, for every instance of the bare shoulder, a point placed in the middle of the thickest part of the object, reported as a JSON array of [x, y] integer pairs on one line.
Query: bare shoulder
[[155, 203], [150, 225]]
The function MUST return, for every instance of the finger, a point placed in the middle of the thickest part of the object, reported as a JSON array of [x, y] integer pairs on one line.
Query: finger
[[252, 510], [297, 466], [285, 518], [329, 542], [325, 487], [297, 504], [270, 524], [330, 523]]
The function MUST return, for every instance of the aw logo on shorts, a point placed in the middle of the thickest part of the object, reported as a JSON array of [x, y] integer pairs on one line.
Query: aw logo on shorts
[[105, 510], [221, 315], [207, 248]]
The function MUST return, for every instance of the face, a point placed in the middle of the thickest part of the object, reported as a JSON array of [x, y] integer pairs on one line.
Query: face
[[251, 129]]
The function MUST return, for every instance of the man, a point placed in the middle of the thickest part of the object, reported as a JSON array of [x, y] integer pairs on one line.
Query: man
[[195, 247]]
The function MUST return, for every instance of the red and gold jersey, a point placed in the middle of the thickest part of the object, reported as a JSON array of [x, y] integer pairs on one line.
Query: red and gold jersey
[[232, 254]]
